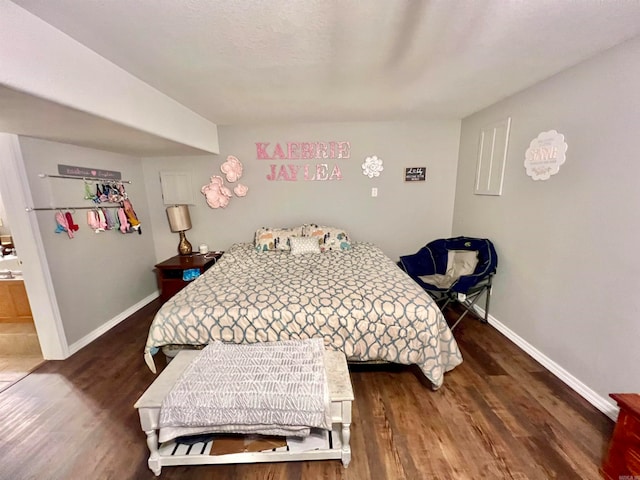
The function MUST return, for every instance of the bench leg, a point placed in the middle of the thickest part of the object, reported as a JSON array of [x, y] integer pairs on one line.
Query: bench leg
[[154, 457], [346, 433], [346, 448]]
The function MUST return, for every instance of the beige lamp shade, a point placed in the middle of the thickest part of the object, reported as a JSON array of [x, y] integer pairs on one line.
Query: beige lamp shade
[[179, 218]]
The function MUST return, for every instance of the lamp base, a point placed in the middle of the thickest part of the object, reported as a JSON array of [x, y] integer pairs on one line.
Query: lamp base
[[184, 247]]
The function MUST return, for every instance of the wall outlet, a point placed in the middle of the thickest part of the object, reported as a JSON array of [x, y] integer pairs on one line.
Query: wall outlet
[[374, 192]]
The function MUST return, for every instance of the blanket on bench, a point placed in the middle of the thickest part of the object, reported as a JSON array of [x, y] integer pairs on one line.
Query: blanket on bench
[[272, 388]]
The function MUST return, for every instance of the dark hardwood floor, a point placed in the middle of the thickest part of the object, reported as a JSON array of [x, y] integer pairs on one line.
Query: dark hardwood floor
[[499, 415]]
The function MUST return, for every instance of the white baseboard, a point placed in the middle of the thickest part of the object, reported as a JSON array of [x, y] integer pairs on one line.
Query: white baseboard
[[105, 327], [601, 403]]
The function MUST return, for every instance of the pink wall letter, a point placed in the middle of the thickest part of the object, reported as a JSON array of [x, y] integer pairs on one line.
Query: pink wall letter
[[344, 149], [261, 151]]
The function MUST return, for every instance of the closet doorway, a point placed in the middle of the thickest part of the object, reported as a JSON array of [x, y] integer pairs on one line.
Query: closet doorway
[[20, 350], [31, 312]]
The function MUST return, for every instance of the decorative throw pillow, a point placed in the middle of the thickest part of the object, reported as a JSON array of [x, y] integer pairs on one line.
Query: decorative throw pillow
[[267, 239], [330, 238], [302, 245]]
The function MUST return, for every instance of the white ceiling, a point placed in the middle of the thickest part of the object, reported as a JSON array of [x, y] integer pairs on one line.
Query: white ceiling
[[257, 61]]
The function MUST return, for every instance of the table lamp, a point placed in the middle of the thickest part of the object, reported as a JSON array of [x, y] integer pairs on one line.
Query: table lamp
[[180, 221]]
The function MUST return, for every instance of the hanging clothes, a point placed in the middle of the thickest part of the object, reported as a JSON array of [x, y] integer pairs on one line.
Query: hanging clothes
[[87, 193], [124, 223], [114, 194], [62, 225], [93, 221], [101, 197], [115, 219], [70, 222], [121, 191], [131, 215], [102, 221], [111, 224]]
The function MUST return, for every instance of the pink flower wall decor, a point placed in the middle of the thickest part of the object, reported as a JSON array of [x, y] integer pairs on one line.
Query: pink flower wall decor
[[232, 169], [240, 190], [216, 193]]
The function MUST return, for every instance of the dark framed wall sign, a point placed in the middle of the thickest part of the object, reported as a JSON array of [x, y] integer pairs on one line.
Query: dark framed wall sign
[[415, 174], [80, 172]]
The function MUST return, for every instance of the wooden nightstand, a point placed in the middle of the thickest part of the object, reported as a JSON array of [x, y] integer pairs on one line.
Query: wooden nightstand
[[623, 459], [170, 271]]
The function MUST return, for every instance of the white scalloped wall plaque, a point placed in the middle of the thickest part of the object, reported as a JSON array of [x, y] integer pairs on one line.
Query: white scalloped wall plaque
[[546, 153]]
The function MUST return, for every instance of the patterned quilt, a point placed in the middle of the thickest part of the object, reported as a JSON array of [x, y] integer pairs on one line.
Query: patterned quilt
[[358, 301], [274, 388]]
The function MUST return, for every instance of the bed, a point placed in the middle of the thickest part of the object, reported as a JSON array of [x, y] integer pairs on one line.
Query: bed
[[357, 300]]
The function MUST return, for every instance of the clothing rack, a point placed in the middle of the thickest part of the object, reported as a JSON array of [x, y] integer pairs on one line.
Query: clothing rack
[[93, 179], [97, 205]]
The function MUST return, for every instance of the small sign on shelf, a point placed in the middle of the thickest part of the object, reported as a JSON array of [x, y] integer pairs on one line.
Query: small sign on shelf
[[415, 174]]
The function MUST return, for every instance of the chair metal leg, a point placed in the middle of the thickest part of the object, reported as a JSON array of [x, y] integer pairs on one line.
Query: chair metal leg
[[486, 306], [474, 297], [467, 308], [487, 300], [443, 299]]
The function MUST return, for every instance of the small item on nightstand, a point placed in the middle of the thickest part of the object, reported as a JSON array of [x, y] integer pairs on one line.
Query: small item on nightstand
[[203, 249], [170, 272], [190, 274]]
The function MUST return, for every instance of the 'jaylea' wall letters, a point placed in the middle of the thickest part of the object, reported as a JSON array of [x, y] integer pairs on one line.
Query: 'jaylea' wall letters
[[303, 151]]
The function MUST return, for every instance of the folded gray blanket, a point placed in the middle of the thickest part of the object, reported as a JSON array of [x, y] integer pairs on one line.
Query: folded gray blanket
[[273, 388]]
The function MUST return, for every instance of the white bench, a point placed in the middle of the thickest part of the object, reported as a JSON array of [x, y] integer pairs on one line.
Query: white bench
[[340, 392]]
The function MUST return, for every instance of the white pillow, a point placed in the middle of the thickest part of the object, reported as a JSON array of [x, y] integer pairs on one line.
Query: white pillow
[[302, 245]]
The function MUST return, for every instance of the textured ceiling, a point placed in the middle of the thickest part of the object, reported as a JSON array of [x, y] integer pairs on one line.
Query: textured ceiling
[[257, 61]]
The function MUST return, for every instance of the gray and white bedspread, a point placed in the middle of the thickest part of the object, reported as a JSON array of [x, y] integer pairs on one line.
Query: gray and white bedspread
[[274, 388], [358, 301]]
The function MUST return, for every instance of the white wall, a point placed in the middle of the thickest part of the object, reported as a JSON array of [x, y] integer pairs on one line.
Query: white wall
[[400, 220], [4, 228], [96, 277], [568, 274]]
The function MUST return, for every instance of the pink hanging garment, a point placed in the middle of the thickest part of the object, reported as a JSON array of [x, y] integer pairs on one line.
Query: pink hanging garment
[[124, 223], [102, 220], [63, 225], [93, 221]]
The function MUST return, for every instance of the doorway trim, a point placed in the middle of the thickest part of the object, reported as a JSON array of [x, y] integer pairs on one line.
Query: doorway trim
[[16, 195]]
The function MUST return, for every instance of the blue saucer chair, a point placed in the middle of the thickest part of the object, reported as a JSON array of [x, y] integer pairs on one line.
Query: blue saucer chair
[[456, 269]]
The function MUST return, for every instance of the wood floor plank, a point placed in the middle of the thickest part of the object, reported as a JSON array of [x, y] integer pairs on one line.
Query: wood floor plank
[[499, 415], [575, 424]]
